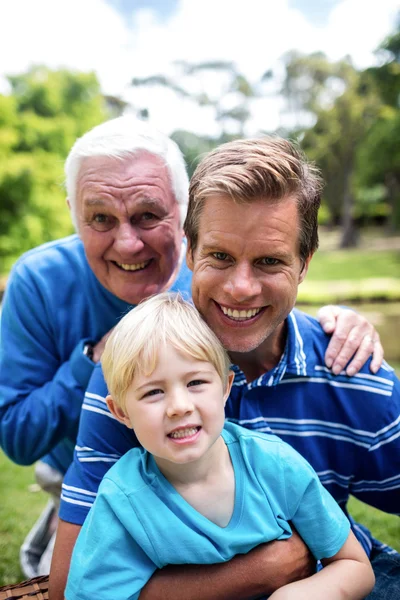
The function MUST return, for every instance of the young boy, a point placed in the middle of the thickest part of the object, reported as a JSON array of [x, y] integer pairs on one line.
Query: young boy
[[200, 490]]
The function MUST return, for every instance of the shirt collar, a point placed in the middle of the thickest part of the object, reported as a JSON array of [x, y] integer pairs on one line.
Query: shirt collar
[[298, 357]]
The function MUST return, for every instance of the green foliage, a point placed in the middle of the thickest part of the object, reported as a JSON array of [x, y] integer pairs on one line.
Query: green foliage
[[39, 122], [354, 132]]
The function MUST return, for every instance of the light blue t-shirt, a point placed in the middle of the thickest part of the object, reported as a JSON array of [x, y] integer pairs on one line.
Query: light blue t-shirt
[[139, 522]]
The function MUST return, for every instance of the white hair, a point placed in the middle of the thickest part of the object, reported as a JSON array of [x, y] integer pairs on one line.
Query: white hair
[[124, 137]]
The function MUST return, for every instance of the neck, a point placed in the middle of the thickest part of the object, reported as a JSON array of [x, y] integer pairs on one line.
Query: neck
[[263, 358], [206, 467]]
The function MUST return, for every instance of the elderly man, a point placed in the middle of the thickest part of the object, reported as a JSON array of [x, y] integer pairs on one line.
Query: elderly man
[[127, 190], [252, 230]]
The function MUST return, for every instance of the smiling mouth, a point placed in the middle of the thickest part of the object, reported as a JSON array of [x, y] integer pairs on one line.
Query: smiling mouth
[[133, 267], [240, 315], [183, 433]]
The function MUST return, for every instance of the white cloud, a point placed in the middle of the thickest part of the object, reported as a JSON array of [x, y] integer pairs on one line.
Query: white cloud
[[91, 35]]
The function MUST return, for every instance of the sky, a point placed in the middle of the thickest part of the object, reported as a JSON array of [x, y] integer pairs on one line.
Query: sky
[[122, 39]]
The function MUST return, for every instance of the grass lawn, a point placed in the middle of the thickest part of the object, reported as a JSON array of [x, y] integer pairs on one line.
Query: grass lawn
[[339, 277], [20, 506], [19, 509], [369, 272]]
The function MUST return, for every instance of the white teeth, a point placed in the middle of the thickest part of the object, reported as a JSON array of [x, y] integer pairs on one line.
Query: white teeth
[[240, 315], [181, 433], [136, 267]]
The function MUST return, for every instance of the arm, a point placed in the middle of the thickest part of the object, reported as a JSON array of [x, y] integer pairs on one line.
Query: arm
[[42, 380], [40, 393], [245, 576], [67, 534], [346, 575], [352, 336]]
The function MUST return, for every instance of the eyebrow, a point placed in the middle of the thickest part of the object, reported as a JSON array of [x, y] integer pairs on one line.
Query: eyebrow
[[160, 382], [146, 202]]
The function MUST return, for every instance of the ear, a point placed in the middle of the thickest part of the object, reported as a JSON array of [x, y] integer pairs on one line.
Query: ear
[[231, 377], [189, 256], [304, 268], [117, 412]]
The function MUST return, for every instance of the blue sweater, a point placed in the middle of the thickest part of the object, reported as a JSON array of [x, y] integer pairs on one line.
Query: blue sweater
[[52, 306]]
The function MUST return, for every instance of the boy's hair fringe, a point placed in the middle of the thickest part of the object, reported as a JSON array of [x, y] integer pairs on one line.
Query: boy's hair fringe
[[165, 319]]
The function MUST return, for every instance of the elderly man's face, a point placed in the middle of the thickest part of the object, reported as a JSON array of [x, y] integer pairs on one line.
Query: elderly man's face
[[129, 224], [246, 269]]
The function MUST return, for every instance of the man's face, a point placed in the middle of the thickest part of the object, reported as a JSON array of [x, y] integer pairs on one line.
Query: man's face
[[246, 269], [128, 220]]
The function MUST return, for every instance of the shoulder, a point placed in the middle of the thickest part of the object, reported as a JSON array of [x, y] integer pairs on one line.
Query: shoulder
[[52, 257], [97, 384], [130, 475], [305, 330], [314, 342], [253, 443]]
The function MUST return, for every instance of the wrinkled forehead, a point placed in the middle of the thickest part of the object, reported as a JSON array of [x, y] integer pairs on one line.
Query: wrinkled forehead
[[124, 175]]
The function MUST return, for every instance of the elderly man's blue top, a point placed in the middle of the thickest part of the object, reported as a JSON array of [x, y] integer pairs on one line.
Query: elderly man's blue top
[[53, 305], [347, 428]]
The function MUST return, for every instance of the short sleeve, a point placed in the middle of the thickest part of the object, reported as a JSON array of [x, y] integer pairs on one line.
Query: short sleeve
[[315, 514], [108, 558]]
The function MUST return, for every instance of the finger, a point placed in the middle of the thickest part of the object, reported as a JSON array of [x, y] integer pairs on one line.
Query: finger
[[346, 348], [335, 347], [327, 317], [377, 357], [361, 356]]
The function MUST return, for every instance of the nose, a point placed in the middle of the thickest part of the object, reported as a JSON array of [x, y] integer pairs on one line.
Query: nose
[[127, 240], [179, 404], [243, 283]]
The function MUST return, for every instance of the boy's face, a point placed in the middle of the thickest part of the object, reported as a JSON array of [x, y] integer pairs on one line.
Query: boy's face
[[177, 412]]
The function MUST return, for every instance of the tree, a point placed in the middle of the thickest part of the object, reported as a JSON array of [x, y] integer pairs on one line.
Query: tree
[[39, 122], [340, 104], [379, 157]]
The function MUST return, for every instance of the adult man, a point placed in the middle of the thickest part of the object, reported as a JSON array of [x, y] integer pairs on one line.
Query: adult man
[[127, 190], [252, 230]]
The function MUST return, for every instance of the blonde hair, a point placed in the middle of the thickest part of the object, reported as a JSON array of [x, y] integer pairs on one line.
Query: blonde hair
[[270, 168], [164, 319]]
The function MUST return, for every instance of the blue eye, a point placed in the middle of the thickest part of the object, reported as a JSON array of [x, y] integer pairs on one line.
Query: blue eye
[[269, 261], [148, 216], [152, 393], [220, 255], [195, 382], [102, 222]]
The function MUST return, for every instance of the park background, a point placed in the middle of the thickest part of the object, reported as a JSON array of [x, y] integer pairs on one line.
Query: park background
[[323, 72]]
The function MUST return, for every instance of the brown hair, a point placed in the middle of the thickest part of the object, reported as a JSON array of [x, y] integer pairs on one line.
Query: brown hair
[[270, 168]]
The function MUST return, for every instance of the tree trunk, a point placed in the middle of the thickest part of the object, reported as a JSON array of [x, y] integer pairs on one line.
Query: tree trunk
[[393, 188], [349, 231]]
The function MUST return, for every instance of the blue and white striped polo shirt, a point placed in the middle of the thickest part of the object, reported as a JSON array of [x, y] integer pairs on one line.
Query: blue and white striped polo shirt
[[347, 428]]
